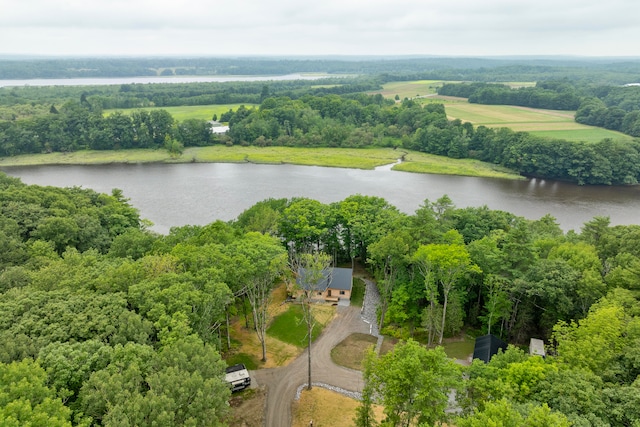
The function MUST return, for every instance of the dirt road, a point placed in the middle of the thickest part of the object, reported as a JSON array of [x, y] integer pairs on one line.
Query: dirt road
[[282, 383]]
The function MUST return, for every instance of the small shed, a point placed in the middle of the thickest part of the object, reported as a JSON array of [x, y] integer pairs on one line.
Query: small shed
[[486, 346], [536, 347]]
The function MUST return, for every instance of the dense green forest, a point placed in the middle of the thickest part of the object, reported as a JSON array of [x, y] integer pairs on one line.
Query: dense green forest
[[104, 322]]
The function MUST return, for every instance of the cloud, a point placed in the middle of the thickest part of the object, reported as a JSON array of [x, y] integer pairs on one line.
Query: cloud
[[455, 27]]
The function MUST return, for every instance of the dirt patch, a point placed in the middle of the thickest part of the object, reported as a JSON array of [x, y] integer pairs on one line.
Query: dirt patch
[[388, 343], [350, 352], [247, 408], [326, 409]]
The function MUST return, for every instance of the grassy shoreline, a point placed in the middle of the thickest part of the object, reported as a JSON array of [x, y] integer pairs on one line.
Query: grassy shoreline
[[356, 158]]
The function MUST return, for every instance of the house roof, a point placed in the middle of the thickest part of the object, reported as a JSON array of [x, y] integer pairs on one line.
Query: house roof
[[335, 278], [486, 346]]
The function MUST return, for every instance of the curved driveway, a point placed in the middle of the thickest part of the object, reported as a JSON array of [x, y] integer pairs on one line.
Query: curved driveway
[[282, 383]]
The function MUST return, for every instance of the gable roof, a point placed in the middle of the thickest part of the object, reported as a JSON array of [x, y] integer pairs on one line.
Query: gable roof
[[487, 346], [335, 278]]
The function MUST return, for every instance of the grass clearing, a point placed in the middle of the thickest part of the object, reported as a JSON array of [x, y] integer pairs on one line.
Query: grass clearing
[[327, 409], [459, 347], [350, 352], [428, 163], [203, 112], [357, 292], [289, 327], [411, 89], [247, 349]]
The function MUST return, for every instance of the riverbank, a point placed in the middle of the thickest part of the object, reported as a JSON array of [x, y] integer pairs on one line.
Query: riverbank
[[353, 158]]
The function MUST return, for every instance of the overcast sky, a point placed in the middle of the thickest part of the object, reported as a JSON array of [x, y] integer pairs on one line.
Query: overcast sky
[[320, 27]]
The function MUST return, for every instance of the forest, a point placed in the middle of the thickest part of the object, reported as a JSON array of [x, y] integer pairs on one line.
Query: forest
[[104, 322]]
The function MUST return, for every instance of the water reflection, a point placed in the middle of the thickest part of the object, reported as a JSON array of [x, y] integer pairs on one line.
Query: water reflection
[[180, 194]]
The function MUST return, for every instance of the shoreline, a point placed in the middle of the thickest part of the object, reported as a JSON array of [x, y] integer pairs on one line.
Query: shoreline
[[349, 158]]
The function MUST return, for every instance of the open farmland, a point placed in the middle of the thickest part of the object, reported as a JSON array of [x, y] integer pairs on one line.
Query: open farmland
[[204, 112], [410, 89], [546, 123]]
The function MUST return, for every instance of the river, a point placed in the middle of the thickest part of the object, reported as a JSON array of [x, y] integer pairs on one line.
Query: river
[[179, 194], [98, 81]]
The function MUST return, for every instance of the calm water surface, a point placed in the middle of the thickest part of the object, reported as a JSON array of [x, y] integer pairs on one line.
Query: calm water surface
[[152, 79], [180, 194]]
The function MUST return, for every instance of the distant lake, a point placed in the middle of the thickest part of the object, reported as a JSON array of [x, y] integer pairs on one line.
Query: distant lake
[[153, 79], [200, 193]]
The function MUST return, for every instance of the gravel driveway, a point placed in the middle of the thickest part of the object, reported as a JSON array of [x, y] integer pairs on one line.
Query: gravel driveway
[[282, 383]]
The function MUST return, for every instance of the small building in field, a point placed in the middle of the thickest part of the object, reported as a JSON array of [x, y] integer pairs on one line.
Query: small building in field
[[486, 346], [335, 286], [536, 347]]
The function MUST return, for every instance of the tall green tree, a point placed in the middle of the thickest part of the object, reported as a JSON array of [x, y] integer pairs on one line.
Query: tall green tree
[[412, 383]]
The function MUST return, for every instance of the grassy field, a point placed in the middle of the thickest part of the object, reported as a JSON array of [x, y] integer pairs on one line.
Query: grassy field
[[204, 112], [546, 123], [409, 89]]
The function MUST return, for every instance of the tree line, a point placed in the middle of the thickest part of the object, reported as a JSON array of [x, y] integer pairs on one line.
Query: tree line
[[600, 71]]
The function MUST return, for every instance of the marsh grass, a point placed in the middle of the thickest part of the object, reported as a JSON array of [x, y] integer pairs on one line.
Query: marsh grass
[[363, 158], [428, 163]]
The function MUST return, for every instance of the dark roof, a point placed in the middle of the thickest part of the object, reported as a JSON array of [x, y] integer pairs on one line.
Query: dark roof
[[487, 346], [336, 278]]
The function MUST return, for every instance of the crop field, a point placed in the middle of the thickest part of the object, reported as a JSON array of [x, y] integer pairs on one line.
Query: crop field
[[546, 123], [204, 112], [409, 89]]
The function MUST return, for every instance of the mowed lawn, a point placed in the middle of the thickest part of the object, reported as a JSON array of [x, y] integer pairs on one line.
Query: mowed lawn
[[204, 112], [546, 123]]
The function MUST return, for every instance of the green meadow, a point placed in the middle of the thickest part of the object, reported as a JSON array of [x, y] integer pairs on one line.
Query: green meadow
[[204, 112], [410, 89], [545, 123]]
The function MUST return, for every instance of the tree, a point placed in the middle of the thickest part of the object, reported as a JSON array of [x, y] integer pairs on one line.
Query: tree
[[412, 383], [310, 270], [388, 255], [264, 261], [444, 264], [25, 399]]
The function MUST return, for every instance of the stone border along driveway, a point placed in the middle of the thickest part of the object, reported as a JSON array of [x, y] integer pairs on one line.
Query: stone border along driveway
[[282, 384]]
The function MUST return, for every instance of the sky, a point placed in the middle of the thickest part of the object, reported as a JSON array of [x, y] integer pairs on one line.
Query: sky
[[320, 27]]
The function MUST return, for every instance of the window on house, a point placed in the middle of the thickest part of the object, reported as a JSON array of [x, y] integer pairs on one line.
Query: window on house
[[319, 293], [342, 292]]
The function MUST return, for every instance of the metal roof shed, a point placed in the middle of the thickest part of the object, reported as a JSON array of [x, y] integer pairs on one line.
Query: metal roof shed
[[487, 346]]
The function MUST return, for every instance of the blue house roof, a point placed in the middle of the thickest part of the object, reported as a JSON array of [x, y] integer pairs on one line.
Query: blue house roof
[[336, 278]]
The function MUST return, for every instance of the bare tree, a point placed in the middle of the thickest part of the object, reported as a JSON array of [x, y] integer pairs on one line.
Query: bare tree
[[312, 271]]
